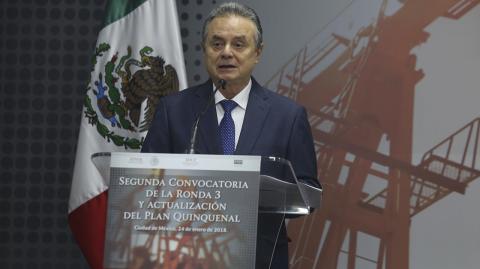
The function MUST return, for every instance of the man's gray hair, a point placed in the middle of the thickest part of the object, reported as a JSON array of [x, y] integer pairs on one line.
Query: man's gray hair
[[236, 9]]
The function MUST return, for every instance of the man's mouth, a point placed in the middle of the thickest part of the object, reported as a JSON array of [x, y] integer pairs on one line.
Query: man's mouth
[[226, 66]]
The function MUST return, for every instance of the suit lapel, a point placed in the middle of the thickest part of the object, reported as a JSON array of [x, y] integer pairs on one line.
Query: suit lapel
[[255, 115], [208, 126]]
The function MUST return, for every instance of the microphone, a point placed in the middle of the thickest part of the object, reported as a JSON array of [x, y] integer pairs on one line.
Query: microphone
[[211, 99], [223, 84]]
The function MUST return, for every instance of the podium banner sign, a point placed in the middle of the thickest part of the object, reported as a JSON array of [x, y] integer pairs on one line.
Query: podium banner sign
[[182, 211]]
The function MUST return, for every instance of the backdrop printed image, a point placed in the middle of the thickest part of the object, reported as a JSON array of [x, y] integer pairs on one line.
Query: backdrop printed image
[[395, 135]]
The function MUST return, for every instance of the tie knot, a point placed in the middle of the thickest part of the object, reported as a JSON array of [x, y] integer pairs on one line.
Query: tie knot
[[228, 105]]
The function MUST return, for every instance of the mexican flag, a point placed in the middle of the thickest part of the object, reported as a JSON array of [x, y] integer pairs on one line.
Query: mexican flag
[[137, 60]]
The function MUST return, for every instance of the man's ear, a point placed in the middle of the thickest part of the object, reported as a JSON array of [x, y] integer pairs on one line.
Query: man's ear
[[259, 51]]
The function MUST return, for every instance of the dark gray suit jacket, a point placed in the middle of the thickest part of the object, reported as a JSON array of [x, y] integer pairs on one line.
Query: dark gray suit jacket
[[273, 126]]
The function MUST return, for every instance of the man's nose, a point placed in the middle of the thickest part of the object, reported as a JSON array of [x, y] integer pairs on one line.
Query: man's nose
[[227, 51]]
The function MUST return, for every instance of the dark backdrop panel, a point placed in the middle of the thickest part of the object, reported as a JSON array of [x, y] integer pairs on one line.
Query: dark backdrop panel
[[45, 51]]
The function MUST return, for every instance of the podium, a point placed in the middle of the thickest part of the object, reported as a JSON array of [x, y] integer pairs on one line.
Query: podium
[[198, 211]]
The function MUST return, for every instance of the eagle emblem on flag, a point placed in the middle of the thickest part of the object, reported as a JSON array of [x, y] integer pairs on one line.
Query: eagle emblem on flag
[[126, 92]]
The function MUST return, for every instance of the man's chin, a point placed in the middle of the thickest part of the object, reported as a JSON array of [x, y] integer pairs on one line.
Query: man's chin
[[226, 77], [227, 72]]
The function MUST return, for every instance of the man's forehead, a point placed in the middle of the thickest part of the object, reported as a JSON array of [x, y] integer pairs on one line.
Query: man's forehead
[[233, 36]]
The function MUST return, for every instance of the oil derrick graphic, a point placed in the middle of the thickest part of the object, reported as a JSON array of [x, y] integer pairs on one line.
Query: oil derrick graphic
[[359, 92]]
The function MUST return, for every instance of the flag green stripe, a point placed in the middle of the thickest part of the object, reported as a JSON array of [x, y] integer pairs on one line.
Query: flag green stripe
[[117, 9]]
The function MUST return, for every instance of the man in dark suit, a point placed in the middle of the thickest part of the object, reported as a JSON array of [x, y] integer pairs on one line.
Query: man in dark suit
[[245, 119]]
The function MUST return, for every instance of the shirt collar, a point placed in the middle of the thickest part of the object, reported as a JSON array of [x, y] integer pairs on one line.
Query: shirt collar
[[241, 98]]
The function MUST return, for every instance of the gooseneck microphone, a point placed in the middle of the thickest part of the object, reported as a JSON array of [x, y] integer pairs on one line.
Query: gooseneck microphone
[[211, 99]]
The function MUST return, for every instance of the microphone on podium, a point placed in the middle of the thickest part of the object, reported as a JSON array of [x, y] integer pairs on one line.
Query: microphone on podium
[[193, 138]]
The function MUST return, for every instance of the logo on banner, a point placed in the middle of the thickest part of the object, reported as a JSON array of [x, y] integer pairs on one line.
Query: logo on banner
[[122, 86], [190, 161]]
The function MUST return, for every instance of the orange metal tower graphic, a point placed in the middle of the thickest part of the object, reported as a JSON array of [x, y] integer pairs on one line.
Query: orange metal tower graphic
[[360, 94]]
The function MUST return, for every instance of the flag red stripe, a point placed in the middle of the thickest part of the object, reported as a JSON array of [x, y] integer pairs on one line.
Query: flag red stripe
[[87, 223]]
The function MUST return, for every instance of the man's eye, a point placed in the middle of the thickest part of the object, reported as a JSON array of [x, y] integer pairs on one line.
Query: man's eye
[[239, 45], [217, 44]]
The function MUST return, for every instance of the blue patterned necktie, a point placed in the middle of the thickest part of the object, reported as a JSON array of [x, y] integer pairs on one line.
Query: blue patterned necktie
[[227, 127]]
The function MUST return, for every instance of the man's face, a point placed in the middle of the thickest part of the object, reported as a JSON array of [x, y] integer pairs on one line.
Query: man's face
[[230, 51]]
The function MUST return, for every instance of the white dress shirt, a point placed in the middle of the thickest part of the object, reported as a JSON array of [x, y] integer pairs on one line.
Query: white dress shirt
[[238, 113]]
